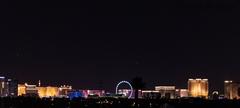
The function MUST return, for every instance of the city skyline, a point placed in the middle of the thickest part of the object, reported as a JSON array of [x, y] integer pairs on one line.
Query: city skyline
[[192, 86], [97, 45], [120, 54], [102, 85], [197, 88]]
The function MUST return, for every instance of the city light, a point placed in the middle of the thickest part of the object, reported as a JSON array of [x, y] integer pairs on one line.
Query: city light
[[196, 88]]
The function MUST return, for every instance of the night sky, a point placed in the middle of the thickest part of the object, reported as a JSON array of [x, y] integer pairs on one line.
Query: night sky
[[96, 44]]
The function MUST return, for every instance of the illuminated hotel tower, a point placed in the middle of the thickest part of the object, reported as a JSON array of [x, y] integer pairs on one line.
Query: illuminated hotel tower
[[3, 87], [231, 89], [198, 87]]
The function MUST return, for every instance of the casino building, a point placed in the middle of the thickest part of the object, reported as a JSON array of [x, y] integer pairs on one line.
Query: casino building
[[231, 89], [198, 87], [167, 92]]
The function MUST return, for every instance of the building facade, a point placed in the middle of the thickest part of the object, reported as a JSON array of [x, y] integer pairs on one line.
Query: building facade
[[48, 91], [27, 90], [125, 92], [231, 90], [43, 91], [21, 89], [181, 93], [8, 87], [198, 87], [12, 87], [31, 90], [150, 94], [64, 90], [3, 87], [166, 91], [92, 93]]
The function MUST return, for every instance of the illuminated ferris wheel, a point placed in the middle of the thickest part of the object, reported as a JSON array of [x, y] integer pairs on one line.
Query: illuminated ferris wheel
[[129, 84]]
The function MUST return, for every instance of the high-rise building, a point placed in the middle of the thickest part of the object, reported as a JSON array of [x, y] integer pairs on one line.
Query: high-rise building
[[12, 87], [8, 87], [198, 87], [231, 90], [3, 87]]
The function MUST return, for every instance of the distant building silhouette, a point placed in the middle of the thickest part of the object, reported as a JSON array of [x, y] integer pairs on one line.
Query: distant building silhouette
[[12, 87]]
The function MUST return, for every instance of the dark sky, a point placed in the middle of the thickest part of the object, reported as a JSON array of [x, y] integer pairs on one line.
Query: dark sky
[[96, 44]]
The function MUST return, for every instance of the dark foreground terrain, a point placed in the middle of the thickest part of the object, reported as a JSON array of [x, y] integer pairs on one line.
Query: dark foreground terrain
[[23, 102]]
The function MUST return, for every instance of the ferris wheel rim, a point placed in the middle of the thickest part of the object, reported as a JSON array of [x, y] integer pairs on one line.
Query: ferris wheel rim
[[129, 84]]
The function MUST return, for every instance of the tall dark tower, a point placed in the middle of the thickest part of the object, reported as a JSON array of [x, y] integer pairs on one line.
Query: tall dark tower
[[138, 65], [12, 87]]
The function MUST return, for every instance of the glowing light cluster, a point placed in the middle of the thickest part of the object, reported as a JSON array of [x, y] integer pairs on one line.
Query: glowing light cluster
[[48, 91], [164, 88], [228, 81]]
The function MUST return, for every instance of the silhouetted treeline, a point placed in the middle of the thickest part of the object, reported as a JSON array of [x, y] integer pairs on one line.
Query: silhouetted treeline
[[30, 102]]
